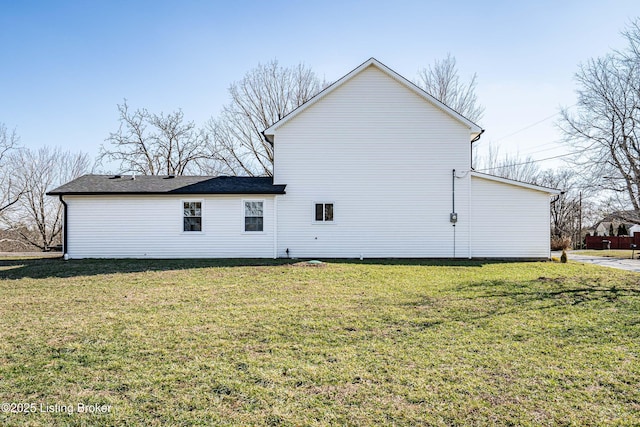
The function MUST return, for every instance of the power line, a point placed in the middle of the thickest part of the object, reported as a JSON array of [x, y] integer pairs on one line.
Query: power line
[[532, 161], [532, 125], [547, 143], [540, 151]]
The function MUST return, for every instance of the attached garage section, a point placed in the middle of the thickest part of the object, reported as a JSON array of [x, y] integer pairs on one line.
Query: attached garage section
[[509, 219]]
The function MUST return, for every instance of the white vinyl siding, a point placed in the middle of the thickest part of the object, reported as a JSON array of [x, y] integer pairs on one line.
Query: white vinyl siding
[[508, 221], [384, 156], [152, 227]]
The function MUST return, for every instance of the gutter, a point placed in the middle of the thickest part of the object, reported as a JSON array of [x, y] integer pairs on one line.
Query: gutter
[[275, 227], [266, 137], [65, 254], [557, 197], [476, 138]]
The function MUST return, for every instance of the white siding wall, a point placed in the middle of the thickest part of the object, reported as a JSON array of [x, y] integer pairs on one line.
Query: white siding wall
[[151, 227], [384, 156], [508, 221]]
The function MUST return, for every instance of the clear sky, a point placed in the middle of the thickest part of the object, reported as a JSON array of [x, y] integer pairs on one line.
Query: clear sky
[[67, 64]]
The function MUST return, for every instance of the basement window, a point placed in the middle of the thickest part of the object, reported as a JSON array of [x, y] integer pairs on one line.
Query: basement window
[[324, 212], [192, 216]]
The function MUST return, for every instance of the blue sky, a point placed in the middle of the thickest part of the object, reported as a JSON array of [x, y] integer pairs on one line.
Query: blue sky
[[66, 64]]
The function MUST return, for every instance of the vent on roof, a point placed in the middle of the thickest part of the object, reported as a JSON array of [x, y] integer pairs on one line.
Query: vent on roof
[[170, 177], [115, 177]]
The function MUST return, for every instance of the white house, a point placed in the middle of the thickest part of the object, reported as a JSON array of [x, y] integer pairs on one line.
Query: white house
[[371, 167]]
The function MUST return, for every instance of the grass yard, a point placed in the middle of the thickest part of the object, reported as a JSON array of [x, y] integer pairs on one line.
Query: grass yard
[[610, 253], [347, 343]]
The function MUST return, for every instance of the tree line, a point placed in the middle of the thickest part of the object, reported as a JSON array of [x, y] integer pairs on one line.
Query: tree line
[[30, 219], [602, 129]]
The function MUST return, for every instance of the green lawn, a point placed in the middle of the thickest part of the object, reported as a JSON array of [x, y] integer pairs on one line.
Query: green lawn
[[610, 253], [346, 343]]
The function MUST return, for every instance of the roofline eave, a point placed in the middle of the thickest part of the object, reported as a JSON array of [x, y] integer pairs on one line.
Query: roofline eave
[[513, 182]]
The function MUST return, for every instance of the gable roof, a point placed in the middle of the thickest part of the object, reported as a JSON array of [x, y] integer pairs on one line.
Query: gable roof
[[158, 184], [515, 183], [372, 62]]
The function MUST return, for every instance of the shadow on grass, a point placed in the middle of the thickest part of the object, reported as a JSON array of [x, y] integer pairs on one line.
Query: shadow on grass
[[41, 268], [544, 293], [432, 262]]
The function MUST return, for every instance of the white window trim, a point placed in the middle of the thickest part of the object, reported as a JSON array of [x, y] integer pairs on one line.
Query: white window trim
[[191, 233], [313, 212], [242, 213]]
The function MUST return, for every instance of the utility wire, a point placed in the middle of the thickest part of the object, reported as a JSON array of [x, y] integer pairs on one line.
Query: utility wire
[[531, 161], [540, 151], [532, 125]]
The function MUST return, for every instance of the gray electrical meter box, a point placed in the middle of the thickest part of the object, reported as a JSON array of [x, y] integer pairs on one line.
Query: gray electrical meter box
[[453, 217]]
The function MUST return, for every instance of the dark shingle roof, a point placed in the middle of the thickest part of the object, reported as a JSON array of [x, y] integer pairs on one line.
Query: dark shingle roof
[[155, 184]]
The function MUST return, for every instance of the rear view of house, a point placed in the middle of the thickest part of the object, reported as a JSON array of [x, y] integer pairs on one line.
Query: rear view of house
[[371, 167]]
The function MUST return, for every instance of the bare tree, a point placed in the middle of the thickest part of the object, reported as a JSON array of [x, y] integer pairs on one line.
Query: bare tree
[[441, 80], [605, 126], [152, 144], [10, 191], [265, 95], [508, 166], [574, 208], [38, 217]]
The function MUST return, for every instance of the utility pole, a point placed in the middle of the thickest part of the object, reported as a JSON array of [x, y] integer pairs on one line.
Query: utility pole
[[580, 221]]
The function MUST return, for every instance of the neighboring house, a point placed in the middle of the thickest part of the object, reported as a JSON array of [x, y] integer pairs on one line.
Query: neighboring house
[[635, 228], [372, 166], [614, 221], [604, 228]]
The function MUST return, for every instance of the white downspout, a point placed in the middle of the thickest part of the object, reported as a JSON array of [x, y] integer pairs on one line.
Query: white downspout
[[549, 228], [470, 217]]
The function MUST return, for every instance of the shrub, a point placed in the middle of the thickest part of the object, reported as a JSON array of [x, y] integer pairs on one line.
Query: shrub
[[622, 230], [560, 243]]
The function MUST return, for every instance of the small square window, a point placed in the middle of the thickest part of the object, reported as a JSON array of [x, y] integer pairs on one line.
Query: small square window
[[253, 216], [324, 212], [192, 216]]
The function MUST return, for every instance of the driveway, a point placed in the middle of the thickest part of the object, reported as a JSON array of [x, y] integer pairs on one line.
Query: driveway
[[619, 263], [31, 254]]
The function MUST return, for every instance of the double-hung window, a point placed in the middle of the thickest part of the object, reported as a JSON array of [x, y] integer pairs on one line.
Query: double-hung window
[[192, 216], [253, 215], [324, 212]]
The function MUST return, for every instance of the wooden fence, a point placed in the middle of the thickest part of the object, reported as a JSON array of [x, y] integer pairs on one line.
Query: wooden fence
[[614, 242]]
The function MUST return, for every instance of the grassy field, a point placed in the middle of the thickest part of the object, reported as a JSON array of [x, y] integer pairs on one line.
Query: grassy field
[[611, 253], [346, 343]]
